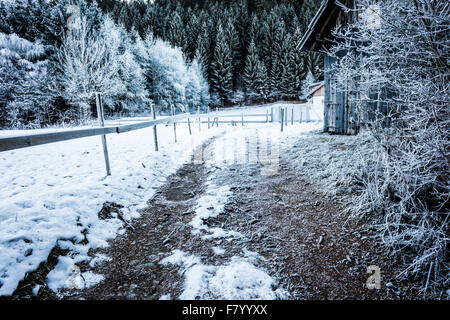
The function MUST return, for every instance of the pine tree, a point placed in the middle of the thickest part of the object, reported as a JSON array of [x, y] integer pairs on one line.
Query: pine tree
[[307, 12], [202, 52], [192, 31], [297, 69], [285, 85], [255, 75], [175, 32], [279, 59], [270, 26], [134, 97], [222, 67], [232, 40], [256, 33], [314, 63]]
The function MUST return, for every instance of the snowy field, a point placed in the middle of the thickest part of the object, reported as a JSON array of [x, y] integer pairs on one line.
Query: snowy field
[[51, 194]]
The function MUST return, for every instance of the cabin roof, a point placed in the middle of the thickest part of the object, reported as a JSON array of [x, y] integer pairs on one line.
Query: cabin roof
[[316, 84], [320, 27], [317, 87]]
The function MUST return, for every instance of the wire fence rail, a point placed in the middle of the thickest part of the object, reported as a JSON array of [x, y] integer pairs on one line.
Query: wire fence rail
[[211, 118]]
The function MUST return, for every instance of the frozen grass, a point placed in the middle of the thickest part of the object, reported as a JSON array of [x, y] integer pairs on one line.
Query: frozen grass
[[354, 170]]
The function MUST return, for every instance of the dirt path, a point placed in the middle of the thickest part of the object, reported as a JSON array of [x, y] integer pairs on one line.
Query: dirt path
[[279, 223]]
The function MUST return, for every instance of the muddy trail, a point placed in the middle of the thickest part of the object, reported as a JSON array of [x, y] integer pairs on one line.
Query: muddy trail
[[305, 243]]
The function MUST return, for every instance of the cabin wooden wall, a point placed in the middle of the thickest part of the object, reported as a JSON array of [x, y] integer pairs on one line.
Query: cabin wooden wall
[[335, 109]]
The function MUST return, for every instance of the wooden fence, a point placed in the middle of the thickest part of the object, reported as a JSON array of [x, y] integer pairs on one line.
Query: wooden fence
[[211, 118]]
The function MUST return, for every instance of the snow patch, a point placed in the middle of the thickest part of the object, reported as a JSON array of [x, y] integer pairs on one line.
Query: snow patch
[[237, 280], [218, 251], [99, 259], [210, 205]]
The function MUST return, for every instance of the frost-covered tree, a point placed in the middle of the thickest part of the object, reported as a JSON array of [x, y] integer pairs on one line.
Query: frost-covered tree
[[89, 63], [255, 75], [168, 74], [176, 32], [395, 61], [193, 26], [134, 98], [232, 39], [296, 72], [222, 67], [26, 87], [197, 88], [307, 83]]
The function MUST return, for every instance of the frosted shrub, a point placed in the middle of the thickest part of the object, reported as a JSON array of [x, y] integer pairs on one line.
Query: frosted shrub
[[396, 64], [25, 83]]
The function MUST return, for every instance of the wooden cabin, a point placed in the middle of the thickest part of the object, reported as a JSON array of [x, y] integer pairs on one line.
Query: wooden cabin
[[339, 116], [315, 100]]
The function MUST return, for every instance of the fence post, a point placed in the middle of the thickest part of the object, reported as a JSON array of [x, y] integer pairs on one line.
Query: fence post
[[267, 115], [101, 122], [155, 133], [174, 124], [286, 116], [271, 114], [199, 121], [189, 125], [307, 115], [282, 118], [208, 118], [217, 117], [242, 118], [292, 116]]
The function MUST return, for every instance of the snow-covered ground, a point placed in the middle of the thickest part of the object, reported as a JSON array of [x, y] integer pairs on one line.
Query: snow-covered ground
[[51, 194], [240, 277]]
